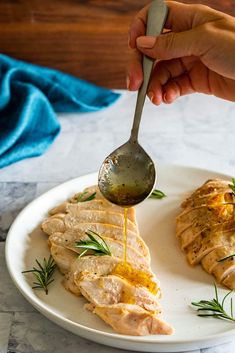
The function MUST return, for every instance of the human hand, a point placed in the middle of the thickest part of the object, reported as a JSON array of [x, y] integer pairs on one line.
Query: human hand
[[197, 55]]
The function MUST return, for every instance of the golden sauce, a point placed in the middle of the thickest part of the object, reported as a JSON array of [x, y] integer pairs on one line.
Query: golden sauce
[[135, 277], [126, 195], [125, 233]]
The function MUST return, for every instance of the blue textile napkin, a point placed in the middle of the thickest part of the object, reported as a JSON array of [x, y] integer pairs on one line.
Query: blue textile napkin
[[29, 97]]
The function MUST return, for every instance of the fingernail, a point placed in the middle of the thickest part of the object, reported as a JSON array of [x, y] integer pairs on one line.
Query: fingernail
[[164, 98], [128, 82], [146, 42], [151, 96]]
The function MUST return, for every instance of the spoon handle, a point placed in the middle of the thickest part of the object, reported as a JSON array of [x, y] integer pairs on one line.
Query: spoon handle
[[157, 15]]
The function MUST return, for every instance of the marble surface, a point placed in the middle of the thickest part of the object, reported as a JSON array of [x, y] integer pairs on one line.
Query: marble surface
[[196, 130]]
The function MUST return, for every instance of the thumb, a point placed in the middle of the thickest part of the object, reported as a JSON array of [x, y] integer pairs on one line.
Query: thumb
[[171, 45]]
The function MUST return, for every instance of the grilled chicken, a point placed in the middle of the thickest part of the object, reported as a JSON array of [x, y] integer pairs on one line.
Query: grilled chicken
[[206, 230], [124, 294], [131, 319]]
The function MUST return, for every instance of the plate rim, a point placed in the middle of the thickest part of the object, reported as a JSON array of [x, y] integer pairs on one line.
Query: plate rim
[[44, 309]]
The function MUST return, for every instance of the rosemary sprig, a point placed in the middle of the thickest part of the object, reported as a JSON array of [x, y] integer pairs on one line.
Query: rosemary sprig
[[96, 243], [215, 308], [232, 186], [157, 194], [227, 257], [43, 274], [82, 198]]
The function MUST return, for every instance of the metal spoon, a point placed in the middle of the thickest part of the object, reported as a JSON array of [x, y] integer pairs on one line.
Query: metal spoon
[[127, 175]]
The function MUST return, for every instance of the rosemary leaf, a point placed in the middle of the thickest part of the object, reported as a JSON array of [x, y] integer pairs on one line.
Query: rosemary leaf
[[43, 274], [157, 194], [215, 308], [232, 186], [83, 198], [95, 243], [226, 258], [83, 253]]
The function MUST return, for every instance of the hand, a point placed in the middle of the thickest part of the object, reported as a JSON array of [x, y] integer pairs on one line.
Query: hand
[[196, 54]]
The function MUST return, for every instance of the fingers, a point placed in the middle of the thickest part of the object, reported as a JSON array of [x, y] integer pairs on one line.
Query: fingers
[[134, 71], [166, 46], [173, 45], [170, 80], [176, 88], [181, 17], [163, 72]]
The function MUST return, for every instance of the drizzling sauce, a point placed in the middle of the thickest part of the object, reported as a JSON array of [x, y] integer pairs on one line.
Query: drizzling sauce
[[125, 270], [135, 277], [125, 234], [125, 196]]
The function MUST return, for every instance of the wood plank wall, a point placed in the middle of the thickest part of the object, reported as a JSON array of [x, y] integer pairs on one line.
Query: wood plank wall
[[87, 38]]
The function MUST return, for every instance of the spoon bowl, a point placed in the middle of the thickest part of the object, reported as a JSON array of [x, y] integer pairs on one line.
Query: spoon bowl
[[127, 175]]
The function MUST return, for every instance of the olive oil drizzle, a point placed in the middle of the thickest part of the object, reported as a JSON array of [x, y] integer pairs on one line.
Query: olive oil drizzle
[[125, 233], [125, 270]]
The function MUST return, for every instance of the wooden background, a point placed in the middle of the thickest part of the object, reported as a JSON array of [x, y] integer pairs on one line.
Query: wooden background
[[87, 38]]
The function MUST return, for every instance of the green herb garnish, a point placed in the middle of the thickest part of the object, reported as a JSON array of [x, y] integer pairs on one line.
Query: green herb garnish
[[43, 274], [96, 244], [227, 257], [215, 308], [232, 186], [157, 194], [82, 198]]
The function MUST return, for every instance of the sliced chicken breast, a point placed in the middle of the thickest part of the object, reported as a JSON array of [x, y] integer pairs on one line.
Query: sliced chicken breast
[[121, 290], [206, 229]]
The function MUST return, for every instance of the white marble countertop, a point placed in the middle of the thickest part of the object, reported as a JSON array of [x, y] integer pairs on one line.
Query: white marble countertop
[[196, 131]]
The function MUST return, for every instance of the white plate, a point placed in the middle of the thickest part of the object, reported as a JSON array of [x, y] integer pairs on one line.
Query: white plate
[[180, 283]]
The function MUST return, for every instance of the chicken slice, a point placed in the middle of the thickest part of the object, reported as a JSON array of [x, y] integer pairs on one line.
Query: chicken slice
[[192, 233], [223, 269], [189, 235], [96, 265], [116, 232], [209, 189], [211, 260], [131, 319], [72, 236], [98, 205], [53, 224], [68, 221], [93, 216], [61, 208], [229, 281], [99, 266], [116, 247], [112, 289], [201, 247], [89, 191], [62, 257]]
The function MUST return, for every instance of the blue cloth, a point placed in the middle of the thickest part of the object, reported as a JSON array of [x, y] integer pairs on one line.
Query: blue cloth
[[29, 97]]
